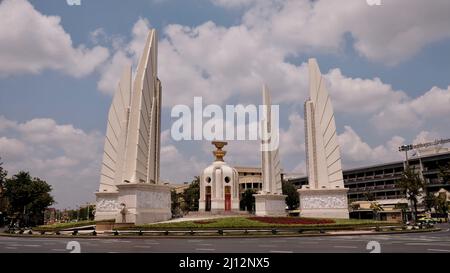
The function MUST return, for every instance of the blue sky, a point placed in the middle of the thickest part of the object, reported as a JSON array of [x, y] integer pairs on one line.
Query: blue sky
[[387, 69]]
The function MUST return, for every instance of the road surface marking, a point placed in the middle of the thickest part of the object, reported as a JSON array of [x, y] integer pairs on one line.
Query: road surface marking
[[440, 250], [204, 244], [281, 251], [204, 249], [10, 247], [32, 245], [345, 247], [59, 250]]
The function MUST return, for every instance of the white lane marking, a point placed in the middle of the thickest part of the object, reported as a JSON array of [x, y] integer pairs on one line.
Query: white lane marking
[[59, 250], [439, 250], [142, 246], [204, 249], [345, 247], [152, 243], [204, 244], [10, 247], [281, 251], [32, 245]]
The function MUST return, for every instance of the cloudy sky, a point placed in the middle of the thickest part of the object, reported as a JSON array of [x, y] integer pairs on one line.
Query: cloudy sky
[[387, 69]]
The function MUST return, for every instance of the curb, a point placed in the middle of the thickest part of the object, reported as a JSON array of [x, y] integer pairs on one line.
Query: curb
[[210, 236]]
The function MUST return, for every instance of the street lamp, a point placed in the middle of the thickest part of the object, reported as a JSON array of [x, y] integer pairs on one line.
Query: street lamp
[[405, 148]]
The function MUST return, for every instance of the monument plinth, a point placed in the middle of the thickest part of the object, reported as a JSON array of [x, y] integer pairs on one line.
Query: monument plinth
[[270, 201], [130, 190], [325, 196]]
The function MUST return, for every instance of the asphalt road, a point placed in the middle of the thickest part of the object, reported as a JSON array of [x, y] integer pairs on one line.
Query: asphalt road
[[434, 242]]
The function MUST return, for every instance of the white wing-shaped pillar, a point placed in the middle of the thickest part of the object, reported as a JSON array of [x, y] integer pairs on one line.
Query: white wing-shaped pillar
[[326, 196], [323, 152], [271, 169], [142, 147], [116, 133]]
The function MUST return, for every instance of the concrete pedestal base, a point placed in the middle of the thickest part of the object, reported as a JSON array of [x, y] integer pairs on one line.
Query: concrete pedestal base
[[107, 206], [324, 203], [270, 205], [143, 203]]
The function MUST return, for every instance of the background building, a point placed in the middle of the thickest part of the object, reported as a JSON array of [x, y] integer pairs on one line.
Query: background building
[[378, 182]]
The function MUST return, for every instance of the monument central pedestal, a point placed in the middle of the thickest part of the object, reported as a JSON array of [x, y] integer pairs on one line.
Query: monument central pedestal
[[324, 203], [270, 204], [143, 203]]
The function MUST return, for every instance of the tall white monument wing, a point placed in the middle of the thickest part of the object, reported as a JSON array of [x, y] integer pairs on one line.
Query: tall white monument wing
[[271, 169], [323, 152], [141, 151], [116, 130]]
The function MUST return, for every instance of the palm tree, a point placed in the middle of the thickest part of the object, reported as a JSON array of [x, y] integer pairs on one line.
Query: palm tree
[[411, 184], [376, 208]]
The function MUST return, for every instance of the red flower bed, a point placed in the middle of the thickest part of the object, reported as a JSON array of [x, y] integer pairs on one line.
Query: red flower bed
[[203, 222], [292, 220]]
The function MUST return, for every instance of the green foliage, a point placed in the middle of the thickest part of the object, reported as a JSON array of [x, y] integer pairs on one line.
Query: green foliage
[[3, 175], [441, 205], [429, 201], [191, 195], [27, 198], [444, 173], [369, 196], [176, 204], [411, 184], [292, 199], [248, 200]]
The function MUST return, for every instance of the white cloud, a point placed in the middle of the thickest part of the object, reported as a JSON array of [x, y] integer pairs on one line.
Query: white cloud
[[390, 33], [66, 157], [32, 42], [356, 152], [432, 108]]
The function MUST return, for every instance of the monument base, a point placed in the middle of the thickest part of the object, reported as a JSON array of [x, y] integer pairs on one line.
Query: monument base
[[143, 203], [324, 203], [270, 205], [107, 206]]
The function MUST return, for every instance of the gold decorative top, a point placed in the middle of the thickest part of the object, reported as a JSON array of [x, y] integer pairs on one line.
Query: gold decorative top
[[219, 153]]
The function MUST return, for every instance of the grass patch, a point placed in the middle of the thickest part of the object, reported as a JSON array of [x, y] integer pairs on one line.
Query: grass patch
[[252, 222], [62, 226]]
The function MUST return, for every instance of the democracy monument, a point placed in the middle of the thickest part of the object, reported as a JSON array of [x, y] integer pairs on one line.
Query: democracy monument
[[130, 188]]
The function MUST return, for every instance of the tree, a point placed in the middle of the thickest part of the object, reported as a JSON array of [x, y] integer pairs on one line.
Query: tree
[[292, 199], [411, 184], [3, 175], [370, 196], [441, 204], [429, 201], [376, 208], [444, 173], [27, 198], [191, 195], [248, 200], [176, 204]]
